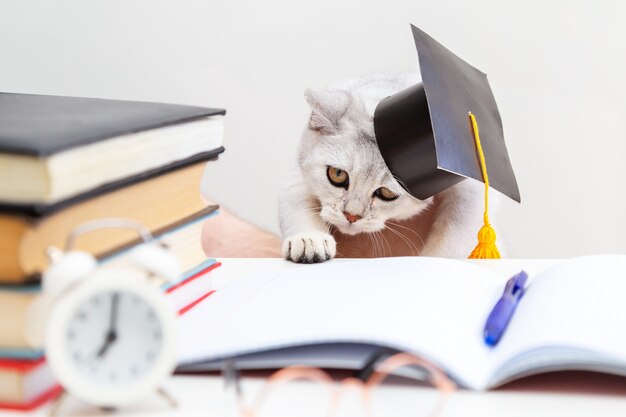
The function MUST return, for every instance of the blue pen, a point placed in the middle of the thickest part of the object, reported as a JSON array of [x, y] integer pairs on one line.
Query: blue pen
[[502, 312]]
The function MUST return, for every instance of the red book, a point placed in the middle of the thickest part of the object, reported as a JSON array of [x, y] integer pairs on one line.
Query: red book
[[26, 384], [189, 292]]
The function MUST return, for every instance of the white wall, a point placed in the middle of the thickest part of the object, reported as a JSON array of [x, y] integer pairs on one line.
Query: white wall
[[557, 70]]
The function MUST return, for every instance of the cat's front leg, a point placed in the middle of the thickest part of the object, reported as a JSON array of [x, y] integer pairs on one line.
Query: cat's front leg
[[458, 218], [306, 237]]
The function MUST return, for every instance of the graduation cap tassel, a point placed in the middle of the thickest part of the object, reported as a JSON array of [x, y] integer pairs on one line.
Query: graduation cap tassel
[[486, 248]]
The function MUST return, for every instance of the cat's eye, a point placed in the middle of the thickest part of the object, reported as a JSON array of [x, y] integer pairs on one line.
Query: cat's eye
[[337, 177], [385, 194]]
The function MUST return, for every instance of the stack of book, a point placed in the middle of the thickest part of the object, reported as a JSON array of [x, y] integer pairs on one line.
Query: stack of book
[[68, 160]]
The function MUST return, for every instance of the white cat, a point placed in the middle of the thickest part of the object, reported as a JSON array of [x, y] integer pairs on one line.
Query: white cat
[[342, 183]]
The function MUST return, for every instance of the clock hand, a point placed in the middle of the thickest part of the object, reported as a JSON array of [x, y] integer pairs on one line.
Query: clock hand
[[111, 335], [115, 300], [108, 341]]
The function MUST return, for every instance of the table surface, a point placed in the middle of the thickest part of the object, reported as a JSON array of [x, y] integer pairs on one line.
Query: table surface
[[564, 393]]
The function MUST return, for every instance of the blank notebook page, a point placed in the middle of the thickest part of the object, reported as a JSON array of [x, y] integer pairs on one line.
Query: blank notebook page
[[434, 307], [578, 304]]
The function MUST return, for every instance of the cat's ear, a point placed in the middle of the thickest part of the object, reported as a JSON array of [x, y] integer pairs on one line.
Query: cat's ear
[[327, 109]]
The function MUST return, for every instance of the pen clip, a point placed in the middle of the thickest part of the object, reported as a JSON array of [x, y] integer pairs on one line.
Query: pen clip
[[516, 286]]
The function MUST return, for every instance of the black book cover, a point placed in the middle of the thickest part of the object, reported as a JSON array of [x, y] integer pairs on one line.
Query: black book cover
[[41, 125]]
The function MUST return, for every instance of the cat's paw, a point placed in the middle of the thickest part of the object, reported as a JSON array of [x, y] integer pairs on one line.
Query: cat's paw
[[309, 248]]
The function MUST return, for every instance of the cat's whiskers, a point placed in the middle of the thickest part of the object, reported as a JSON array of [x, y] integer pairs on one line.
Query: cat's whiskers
[[372, 238], [409, 244], [406, 240], [379, 244], [383, 240], [409, 229], [372, 243], [386, 241], [312, 210], [338, 253]]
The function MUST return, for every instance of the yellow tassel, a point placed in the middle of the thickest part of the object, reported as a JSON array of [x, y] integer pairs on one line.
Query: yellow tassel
[[486, 248]]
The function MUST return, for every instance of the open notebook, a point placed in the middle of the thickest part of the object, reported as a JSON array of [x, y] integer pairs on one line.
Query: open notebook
[[573, 316]]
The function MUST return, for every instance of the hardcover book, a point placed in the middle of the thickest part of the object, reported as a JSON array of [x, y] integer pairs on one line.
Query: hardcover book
[[156, 203], [26, 384], [54, 149]]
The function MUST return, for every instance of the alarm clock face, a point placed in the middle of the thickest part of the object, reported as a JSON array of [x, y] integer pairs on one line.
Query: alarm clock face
[[111, 339], [114, 337]]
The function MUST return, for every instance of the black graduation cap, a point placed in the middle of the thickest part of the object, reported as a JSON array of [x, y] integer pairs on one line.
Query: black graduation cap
[[424, 133]]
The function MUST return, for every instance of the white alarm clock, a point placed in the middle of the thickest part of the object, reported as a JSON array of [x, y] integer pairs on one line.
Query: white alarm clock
[[110, 336]]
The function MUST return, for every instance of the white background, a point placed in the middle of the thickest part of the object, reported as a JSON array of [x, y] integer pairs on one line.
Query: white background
[[557, 69]]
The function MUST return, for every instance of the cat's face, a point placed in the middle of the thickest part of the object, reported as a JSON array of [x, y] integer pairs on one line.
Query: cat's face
[[343, 168]]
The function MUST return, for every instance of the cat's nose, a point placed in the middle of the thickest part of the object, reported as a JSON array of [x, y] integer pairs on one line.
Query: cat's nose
[[351, 217]]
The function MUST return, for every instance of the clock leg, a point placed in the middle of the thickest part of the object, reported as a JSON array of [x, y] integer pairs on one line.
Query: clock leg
[[108, 409], [57, 403], [167, 397]]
